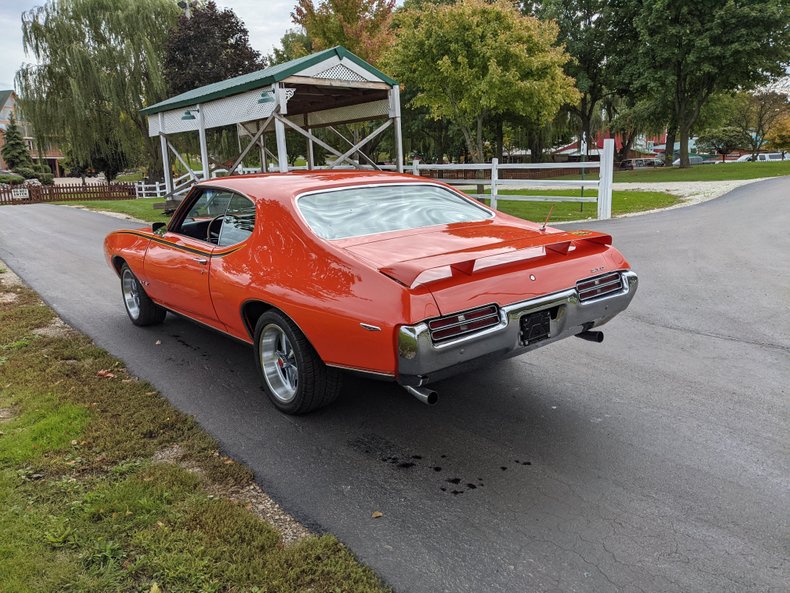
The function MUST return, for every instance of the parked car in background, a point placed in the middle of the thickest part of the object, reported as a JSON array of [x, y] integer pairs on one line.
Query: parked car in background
[[382, 274], [766, 156], [631, 164], [694, 159]]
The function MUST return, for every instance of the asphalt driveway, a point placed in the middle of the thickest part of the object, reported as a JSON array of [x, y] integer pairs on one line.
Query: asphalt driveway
[[656, 461]]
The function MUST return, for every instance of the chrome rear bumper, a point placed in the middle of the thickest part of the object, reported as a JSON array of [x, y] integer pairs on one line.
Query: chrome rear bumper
[[420, 361]]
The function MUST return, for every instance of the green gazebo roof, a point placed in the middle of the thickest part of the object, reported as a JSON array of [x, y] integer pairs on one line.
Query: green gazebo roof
[[261, 78]]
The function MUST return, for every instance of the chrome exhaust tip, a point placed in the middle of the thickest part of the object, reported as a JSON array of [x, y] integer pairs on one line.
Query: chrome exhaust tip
[[427, 396], [591, 336]]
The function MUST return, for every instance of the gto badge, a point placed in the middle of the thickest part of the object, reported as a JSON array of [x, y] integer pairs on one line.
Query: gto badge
[[596, 270]]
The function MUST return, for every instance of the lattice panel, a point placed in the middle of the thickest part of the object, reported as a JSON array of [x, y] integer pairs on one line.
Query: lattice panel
[[340, 72], [371, 110], [222, 112]]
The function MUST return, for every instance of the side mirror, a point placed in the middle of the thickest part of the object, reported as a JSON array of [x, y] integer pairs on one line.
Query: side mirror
[[158, 226]]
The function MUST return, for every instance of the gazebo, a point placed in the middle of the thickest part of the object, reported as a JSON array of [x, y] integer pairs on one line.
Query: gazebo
[[322, 90]]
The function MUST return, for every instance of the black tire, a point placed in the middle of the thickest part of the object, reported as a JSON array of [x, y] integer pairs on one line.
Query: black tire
[[146, 311], [315, 385]]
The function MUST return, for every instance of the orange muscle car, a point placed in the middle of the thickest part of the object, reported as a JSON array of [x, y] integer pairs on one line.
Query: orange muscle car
[[389, 275]]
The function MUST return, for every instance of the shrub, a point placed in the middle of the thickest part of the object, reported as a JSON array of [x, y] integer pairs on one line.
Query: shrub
[[46, 178], [11, 179], [25, 172]]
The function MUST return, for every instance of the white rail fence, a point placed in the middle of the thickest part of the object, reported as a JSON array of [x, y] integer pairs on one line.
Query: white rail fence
[[494, 182]]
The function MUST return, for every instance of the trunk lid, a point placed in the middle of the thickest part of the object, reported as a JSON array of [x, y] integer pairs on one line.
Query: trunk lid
[[465, 266]]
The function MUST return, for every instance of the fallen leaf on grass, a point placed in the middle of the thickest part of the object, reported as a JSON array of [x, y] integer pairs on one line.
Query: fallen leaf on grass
[[105, 374], [155, 589], [377, 514]]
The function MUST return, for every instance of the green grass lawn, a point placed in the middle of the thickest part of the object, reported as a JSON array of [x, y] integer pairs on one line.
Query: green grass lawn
[[623, 202], [142, 208], [720, 172], [130, 178], [105, 487]]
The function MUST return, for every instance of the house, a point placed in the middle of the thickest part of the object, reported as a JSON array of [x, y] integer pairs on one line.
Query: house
[[51, 155]]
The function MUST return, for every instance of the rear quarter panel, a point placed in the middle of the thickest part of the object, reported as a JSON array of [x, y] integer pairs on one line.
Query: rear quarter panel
[[324, 291]]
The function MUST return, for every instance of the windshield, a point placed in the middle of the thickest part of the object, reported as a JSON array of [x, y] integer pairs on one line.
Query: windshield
[[358, 211]]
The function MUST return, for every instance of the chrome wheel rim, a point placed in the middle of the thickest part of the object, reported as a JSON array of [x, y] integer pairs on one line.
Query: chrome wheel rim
[[131, 293], [278, 360]]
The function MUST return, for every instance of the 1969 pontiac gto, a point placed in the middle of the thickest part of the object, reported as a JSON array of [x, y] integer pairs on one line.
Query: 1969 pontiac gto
[[389, 275]]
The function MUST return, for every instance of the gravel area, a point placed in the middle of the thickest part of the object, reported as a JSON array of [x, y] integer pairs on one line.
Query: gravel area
[[7, 277], [690, 192]]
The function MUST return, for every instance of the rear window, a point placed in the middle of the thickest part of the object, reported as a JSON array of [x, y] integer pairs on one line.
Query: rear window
[[359, 211]]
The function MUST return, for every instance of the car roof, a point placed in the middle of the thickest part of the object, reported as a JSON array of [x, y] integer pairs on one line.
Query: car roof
[[286, 185]]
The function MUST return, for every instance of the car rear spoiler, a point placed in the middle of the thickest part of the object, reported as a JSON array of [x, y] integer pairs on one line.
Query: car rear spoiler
[[462, 263]]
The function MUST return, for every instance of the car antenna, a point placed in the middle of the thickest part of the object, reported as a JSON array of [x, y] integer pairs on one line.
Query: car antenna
[[545, 222]]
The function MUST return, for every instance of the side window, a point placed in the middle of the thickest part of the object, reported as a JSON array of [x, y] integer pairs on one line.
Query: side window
[[204, 216], [211, 203], [239, 221]]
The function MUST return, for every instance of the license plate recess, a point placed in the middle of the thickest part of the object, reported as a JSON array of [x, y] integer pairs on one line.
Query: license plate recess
[[535, 327]]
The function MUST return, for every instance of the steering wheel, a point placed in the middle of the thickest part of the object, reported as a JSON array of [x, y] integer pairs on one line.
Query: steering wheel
[[211, 235]]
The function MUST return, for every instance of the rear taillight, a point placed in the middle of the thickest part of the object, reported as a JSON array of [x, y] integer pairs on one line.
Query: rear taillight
[[599, 286], [453, 326]]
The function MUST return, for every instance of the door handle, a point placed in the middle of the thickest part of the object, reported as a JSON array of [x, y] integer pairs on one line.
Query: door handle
[[201, 260]]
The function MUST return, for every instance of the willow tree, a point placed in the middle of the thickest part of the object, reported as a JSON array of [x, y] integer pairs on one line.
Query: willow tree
[[97, 63], [473, 61]]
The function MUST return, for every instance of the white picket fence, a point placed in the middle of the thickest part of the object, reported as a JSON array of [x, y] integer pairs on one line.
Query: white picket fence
[[494, 182]]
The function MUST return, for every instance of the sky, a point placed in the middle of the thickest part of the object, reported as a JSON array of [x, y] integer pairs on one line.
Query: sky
[[266, 20]]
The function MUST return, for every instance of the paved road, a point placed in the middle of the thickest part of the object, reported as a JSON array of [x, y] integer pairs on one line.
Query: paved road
[[656, 461]]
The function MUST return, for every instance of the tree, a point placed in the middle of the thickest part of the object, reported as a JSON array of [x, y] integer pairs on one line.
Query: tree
[[473, 60], [97, 64], [361, 26], [688, 49], [584, 30], [779, 136], [756, 114], [294, 44], [209, 46], [14, 151], [724, 140]]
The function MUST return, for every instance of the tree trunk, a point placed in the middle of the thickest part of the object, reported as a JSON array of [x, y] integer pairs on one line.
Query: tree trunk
[[584, 119], [669, 150], [500, 138], [683, 128], [479, 147], [536, 146], [156, 168]]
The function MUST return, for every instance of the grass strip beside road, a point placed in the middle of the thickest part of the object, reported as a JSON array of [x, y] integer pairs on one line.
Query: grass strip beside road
[[141, 208], [718, 172], [623, 202], [89, 504]]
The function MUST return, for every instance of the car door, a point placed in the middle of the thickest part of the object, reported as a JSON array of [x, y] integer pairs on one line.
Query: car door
[[178, 261], [232, 267]]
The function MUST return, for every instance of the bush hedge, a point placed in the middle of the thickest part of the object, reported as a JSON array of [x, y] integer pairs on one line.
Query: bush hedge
[[11, 179], [26, 172]]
